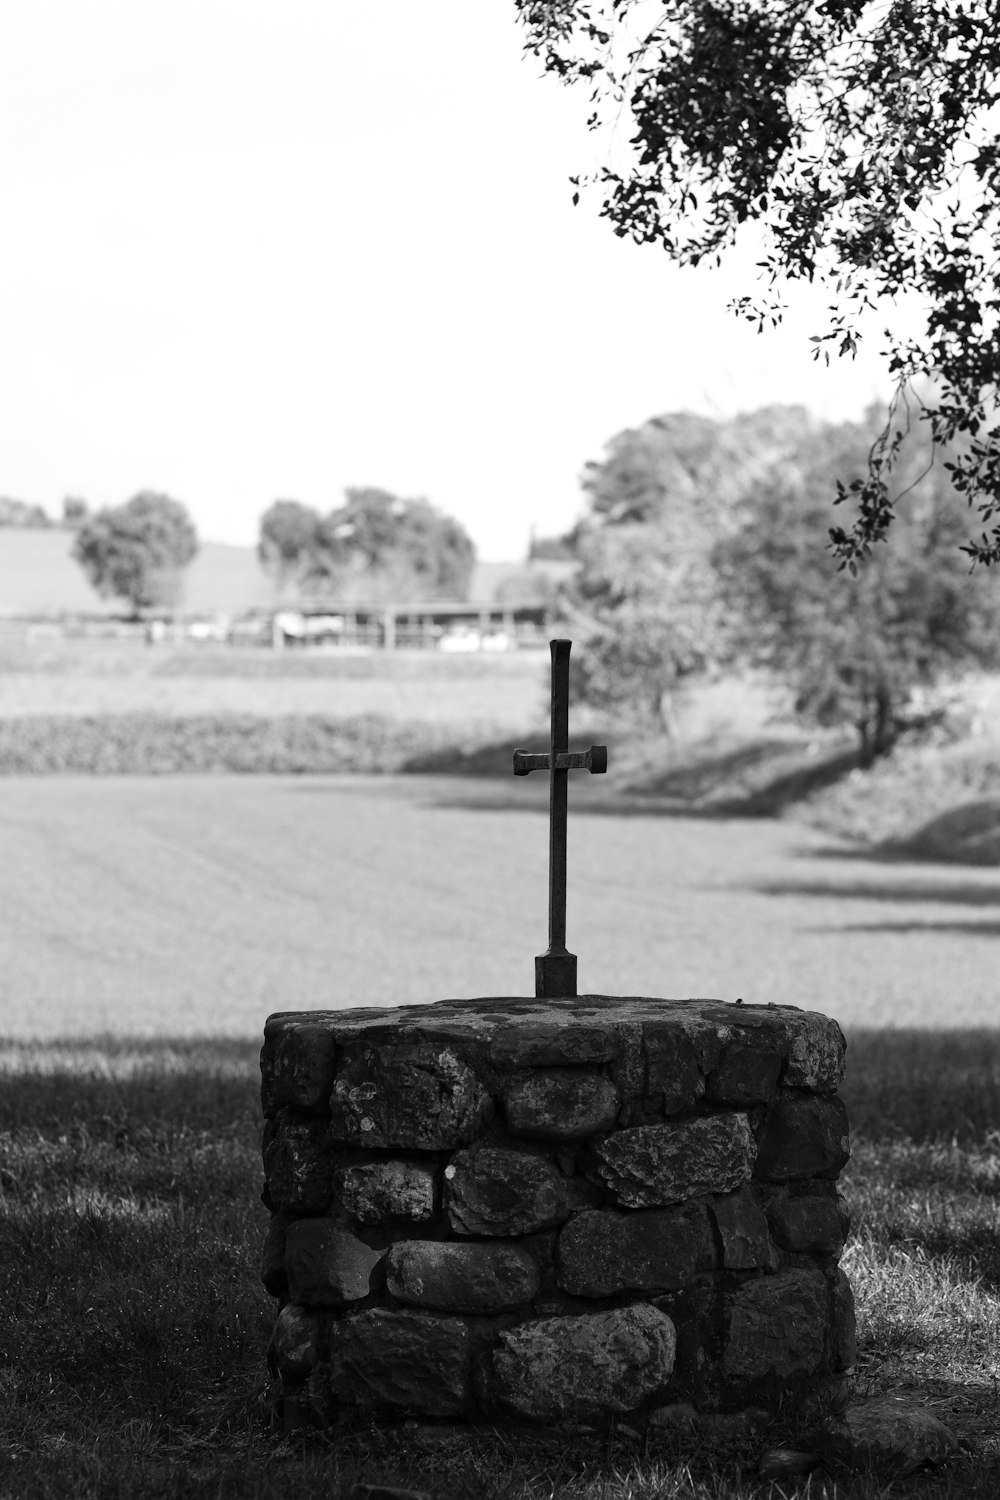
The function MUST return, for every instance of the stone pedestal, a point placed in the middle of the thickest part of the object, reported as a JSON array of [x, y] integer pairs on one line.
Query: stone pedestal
[[554, 1211]]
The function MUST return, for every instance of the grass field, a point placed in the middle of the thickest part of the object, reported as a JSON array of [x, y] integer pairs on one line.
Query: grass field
[[481, 693], [200, 904], [158, 920], [133, 1328]]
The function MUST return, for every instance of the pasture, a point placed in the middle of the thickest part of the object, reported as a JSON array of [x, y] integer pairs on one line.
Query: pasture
[[488, 694], [148, 924], [191, 905]]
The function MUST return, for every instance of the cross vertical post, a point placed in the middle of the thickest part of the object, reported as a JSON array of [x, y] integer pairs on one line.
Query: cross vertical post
[[558, 790], [555, 969]]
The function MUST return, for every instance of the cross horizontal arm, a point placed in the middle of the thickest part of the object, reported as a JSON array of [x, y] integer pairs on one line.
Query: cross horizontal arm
[[594, 760]]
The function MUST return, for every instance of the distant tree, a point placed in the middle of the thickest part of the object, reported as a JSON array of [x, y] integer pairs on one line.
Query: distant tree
[[289, 537], [853, 648], [645, 604], [75, 512], [21, 513], [375, 548], [553, 548], [682, 469], [646, 619], [137, 551], [861, 141]]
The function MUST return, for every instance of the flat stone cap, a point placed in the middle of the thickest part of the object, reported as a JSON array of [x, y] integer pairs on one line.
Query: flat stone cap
[[515, 1031]]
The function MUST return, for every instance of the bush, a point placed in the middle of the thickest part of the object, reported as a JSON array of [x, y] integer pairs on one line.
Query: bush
[[143, 744]]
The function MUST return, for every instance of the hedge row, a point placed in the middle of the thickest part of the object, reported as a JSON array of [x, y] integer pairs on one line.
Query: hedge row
[[142, 744]]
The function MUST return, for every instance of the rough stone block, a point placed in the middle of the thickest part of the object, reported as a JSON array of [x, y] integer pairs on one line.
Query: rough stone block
[[817, 1054], [272, 1258], [696, 1312], [843, 1326], [808, 1223], [379, 1190], [401, 1358], [777, 1326], [297, 1068], [803, 1136], [890, 1437], [547, 1044], [561, 1104], [326, 1266], [298, 1163], [811, 1046], [673, 1077], [585, 1366], [470, 1277], [651, 1166], [501, 1192], [744, 1076], [295, 1342], [742, 1230], [606, 1252], [416, 1095]]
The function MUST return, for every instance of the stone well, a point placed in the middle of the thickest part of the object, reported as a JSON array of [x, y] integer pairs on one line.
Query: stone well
[[554, 1211]]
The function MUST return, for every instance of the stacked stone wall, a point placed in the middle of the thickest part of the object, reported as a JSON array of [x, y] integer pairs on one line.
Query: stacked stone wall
[[554, 1210]]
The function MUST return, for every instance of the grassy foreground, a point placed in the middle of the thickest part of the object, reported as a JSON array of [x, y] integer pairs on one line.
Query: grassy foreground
[[133, 1328]]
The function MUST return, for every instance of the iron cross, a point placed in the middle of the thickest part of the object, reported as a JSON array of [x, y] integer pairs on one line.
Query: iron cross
[[555, 969]]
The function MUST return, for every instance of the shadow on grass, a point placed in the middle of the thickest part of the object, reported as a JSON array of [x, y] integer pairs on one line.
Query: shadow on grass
[[924, 1085], [760, 779], [967, 835], [110, 1084], [953, 929], [952, 893], [491, 760]]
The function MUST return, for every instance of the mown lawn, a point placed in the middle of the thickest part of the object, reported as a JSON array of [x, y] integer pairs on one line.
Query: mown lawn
[[189, 905], [133, 1328], [481, 691]]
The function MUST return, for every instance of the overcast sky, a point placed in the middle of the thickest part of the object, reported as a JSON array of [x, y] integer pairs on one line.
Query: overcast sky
[[260, 249]]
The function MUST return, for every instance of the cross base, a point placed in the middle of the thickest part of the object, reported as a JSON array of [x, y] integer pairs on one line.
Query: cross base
[[555, 975]]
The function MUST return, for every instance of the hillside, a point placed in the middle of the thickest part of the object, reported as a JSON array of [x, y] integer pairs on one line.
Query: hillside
[[39, 577]]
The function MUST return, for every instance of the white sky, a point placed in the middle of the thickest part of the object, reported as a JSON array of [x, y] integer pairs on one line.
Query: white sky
[[260, 249]]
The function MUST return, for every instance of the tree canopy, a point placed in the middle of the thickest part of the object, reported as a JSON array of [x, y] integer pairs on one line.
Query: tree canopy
[[643, 603], [911, 618], [862, 139], [702, 548], [374, 548], [137, 551]]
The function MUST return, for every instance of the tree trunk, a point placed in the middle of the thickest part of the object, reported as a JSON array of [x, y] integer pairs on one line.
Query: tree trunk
[[886, 732], [877, 730]]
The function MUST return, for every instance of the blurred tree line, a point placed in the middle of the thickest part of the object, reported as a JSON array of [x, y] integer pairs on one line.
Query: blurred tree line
[[374, 548], [705, 546]]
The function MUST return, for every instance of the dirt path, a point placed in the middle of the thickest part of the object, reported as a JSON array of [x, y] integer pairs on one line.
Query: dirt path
[[198, 905]]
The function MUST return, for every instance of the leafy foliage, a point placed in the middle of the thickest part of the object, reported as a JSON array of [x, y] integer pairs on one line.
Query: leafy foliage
[[374, 548], [161, 744], [74, 511], [137, 551], [862, 140], [644, 615], [553, 548], [646, 605], [289, 532], [21, 513], [853, 648]]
